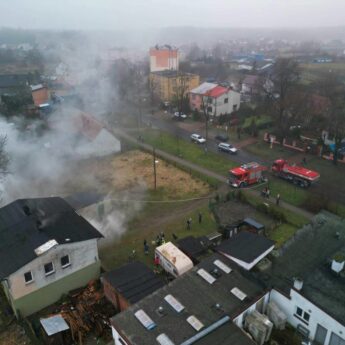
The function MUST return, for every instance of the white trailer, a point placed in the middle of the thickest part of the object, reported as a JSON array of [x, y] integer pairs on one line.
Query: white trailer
[[172, 259]]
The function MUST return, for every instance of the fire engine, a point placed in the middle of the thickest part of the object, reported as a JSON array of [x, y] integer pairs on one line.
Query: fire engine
[[246, 174], [296, 174]]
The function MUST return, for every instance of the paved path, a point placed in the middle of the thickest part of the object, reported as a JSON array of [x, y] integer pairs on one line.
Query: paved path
[[204, 171]]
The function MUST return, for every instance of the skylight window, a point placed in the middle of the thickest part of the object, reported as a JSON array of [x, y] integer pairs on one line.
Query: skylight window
[[195, 323], [144, 319], [222, 266], [205, 275], [174, 303], [238, 293], [163, 339]]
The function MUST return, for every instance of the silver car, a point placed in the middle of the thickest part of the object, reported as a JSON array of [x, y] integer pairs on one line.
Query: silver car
[[225, 147]]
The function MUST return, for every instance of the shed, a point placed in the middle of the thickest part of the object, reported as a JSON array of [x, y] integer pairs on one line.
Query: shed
[[130, 283], [193, 247], [55, 330], [253, 226], [246, 248]]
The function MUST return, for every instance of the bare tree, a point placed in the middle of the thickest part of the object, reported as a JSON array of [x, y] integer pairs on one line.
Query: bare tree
[[284, 97], [334, 90], [180, 91]]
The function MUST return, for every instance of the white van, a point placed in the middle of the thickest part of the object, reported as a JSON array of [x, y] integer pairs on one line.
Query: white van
[[172, 259]]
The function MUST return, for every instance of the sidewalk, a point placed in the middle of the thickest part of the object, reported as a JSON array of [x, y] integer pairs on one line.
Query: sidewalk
[[204, 171]]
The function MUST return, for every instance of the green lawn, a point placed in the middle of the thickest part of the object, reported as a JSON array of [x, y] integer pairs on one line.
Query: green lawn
[[282, 233], [192, 152], [261, 121], [118, 254]]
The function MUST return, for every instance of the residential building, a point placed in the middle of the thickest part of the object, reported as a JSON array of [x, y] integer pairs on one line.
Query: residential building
[[218, 99], [166, 85], [40, 94], [308, 278], [250, 85], [196, 95], [129, 284], [46, 250], [204, 306], [164, 58]]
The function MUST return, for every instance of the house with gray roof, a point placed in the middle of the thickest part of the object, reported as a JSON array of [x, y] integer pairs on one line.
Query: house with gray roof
[[46, 250]]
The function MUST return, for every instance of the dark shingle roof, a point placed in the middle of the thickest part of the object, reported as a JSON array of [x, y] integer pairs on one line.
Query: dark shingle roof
[[192, 246], [245, 246], [134, 281], [199, 299], [26, 224]]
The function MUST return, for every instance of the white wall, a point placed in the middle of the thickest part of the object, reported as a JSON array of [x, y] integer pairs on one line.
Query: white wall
[[81, 254], [219, 107], [116, 337], [317, 316], [239, 320]]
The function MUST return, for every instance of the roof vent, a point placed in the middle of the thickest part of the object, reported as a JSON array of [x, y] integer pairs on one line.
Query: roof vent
[[160, 311], [144, 319], [298, 284], [27, 210]]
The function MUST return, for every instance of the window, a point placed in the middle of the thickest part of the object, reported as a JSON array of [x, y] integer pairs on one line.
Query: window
[[234, 108], [65, 261], [226, 100], [49, 268], [336, 340], [28, 277], [302, 315]]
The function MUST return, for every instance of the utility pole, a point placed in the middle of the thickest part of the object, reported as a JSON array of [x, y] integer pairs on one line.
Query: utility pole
[[154, 168]]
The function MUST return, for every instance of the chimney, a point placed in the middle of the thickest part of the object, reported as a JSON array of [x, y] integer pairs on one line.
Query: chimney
[[39, 225], [298, 284], [338, 263]]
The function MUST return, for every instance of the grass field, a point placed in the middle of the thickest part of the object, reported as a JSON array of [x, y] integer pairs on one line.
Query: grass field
[[189, 151]]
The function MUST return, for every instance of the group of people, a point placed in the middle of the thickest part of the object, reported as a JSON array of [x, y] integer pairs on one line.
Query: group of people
[[189, 221], [266, 194]]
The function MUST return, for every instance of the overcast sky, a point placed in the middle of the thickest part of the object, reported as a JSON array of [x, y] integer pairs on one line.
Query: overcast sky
[[127, 14]]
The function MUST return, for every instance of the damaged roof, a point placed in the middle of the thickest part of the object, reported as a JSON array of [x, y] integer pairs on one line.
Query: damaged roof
[[27, 224]]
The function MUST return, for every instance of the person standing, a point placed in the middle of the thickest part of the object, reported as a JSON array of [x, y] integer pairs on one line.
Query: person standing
[[278, 199], [200, 217]]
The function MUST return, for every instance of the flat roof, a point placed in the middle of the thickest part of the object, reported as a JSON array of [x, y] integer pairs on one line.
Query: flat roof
[[207, 302], [134, 281], [245, 246], [308, 256]]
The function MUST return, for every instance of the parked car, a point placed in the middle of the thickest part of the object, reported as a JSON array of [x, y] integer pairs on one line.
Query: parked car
[[221, 137], [180, 116], [198, 138], [225, 147]]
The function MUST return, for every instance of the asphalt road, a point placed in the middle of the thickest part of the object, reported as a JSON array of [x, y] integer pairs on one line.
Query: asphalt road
[[170, 126], [241, 157]]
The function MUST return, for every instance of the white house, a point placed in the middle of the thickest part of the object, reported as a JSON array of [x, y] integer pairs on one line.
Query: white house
[[46, 250], [222, 101]]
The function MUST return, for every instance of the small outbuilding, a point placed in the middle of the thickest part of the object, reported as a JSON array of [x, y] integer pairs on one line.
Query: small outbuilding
[[246, 248], [130, 283], [194, 248]]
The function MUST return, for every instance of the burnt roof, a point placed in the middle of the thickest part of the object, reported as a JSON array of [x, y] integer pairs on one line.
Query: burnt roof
[[134, 281], [308, 256], [245, 246], [200, 299], [26, 224]]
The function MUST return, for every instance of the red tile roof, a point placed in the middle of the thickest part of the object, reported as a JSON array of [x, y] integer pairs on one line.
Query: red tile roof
[[216, 91]]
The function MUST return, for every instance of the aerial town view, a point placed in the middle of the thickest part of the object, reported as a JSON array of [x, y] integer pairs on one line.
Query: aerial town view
[[172, 172]]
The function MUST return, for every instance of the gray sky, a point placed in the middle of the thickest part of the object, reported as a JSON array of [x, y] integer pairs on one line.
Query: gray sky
[[127, 14]]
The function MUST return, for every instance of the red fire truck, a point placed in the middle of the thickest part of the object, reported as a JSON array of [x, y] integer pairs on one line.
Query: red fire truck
[[296, 174], [246, 174]]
